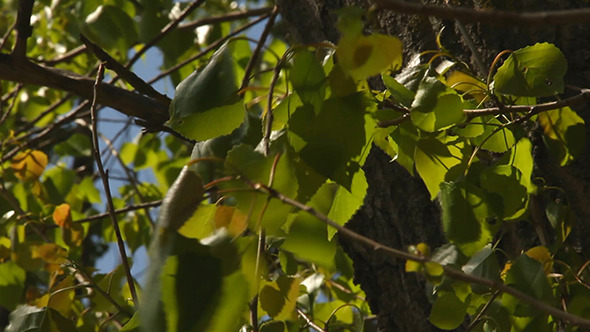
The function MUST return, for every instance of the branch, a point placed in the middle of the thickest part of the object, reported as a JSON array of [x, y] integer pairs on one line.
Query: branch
[[579, 99], [497, 17], [127, 102], [140, 85], [226, 18], [105, 182], [140, 206], [23, 28], [448, 270]]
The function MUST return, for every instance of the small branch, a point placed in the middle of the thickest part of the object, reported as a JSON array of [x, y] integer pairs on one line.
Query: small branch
[[477, 318], [269, 115], [233, 16], [259, 46], [105, 182], [582, 98], [579, 99], [449, 271], [64, 57], [206, 50], [140, 85], [129, 208], [394, 122], [169, 27], [309, 321], [496, 17], [23, 28], [6, 35]]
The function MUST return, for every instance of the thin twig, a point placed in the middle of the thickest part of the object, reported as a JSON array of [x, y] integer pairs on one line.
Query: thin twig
[[206, 50], [64, 57], [129, 208], [233, 16], [169, 27], [105, 182], [477, 318], [309, 321], [259, 46], [448, 270], [6, 35], [496, 17], [269, 114]]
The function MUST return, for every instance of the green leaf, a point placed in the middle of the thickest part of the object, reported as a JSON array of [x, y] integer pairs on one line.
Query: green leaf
[[12, 285], [111, 28], [565, 134], [399, 92], [528, 276], [464, 214], [364, 56], [206, 96], [433, 160], [308, 78], [448, 312], [278, 298], [532, 71], [346, 203], [308, 237], [77, 145], [405, 138], [132, 325], [333, 137], [493, 139], [521, 157], [436, 106], [506, 195], [257, 168], [483, 264], [181, 201], [30, 318], [201, 224]]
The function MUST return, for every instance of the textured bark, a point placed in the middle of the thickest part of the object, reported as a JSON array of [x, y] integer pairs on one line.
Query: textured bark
[[397, 210]]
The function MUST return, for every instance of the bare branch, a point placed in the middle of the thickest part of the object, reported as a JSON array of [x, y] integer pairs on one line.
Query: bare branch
[[127, 102], [107, 189], [226, 18], [498, 17], [23, 28], [259, 46], [140, 85]]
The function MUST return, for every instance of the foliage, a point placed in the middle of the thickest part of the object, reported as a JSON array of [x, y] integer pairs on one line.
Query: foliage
[[239, 242]]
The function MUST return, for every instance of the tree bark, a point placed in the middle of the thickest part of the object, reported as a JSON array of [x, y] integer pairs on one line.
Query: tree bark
[[397, 210]]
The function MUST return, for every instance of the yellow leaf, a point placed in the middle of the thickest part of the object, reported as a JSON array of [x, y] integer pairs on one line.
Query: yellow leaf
[[61, 299], [364, 56], [62, 215], [231, 218], [29, 165], [542, 255], [463, 82]]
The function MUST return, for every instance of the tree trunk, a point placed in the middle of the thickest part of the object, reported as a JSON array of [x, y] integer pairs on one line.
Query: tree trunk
[[398, 211]]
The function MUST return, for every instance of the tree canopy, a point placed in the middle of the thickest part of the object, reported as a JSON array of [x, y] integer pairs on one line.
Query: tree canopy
[[257, 164]]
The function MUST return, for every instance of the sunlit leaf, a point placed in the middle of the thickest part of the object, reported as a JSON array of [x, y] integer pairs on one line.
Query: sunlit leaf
[[565, 133], [308, 78], [278, 298], [464, 82], [62, 216], [206, 96], [365, 56], [436, 106], [29, 165], [494, 138], [433, 160], [535, 71], [399, 92], [346, 202]]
